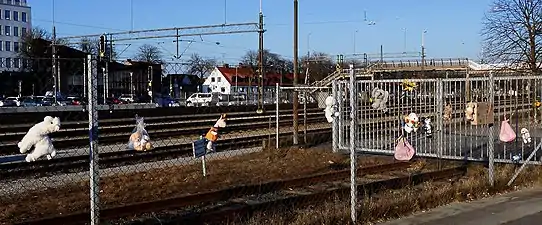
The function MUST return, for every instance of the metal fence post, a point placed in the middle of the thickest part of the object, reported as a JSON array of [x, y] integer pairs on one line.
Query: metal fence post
[[491, 141], [277, 90], [93, 137], [353, 166], [439, 119], [305, 116], [335, 125], [340, 93]]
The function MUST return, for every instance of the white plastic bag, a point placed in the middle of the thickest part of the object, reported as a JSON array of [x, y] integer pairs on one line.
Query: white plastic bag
[[139, 139]]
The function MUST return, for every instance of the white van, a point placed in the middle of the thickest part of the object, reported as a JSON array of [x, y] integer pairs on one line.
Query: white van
[[201, 99]]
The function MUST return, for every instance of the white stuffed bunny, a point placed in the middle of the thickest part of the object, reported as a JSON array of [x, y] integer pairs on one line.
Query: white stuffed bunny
[[37, 136], [329, 111], [525, 135]]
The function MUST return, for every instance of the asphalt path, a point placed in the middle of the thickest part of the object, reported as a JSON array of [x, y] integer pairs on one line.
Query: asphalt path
[[516, 208]]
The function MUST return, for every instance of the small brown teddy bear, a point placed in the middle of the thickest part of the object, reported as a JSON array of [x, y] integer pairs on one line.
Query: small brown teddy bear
[[139, 139]]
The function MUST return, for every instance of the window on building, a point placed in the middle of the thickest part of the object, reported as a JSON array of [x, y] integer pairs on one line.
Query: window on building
[[1, 46], [16, 31], [9, 2], [7, 14], [8, 62], [212, 79], [218, 79], [17, 2], [15, 16], [7, 46], [223, 89], [7, 30], [16, 47], [23, 31], [23, 17], [16, 62]]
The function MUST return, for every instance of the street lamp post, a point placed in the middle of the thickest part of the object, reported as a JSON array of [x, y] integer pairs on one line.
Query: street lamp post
[[355, 32]]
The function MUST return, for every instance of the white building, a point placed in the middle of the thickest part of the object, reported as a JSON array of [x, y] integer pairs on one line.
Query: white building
[[15, 22], [242, 80]]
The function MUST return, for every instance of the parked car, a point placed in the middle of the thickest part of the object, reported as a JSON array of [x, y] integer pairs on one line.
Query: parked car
[[127, 98], [29, 102], [113, 101], [74, 100], [198, 99], [10, 102]]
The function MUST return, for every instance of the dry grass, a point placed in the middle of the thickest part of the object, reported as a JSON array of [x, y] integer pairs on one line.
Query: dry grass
[[179, 180], [393, 204]]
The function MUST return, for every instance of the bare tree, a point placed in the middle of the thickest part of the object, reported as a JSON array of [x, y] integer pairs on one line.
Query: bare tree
[[320, 65], [149, 53], [270, 59], [32, 47], [511, 32], [200, 66]]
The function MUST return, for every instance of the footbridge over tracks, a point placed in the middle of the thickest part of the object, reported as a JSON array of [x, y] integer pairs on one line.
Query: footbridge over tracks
[[443, 64]]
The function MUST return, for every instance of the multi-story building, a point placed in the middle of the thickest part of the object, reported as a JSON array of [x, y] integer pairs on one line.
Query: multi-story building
[[15, 22]]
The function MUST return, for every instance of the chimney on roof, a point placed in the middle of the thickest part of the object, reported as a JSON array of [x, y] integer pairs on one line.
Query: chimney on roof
[[226, 65]]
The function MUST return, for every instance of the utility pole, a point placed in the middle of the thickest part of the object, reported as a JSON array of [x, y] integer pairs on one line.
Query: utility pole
[[261, 67], [423, 52], [55, 76], [296, 65]]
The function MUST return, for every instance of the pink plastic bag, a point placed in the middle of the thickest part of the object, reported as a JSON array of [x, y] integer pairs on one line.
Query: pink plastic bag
[[403, 150], [507, 133]]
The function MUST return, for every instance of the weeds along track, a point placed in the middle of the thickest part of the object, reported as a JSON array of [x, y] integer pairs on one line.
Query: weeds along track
[[221, 205], [41, 168]]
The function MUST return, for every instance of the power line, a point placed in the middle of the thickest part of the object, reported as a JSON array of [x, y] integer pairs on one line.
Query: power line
[[79, 25]]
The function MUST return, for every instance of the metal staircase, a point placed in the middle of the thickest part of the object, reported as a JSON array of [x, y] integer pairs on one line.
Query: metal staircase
[[360, 72]]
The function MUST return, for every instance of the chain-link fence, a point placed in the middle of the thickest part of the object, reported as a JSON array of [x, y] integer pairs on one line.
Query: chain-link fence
[[108, 147], [311, 116]]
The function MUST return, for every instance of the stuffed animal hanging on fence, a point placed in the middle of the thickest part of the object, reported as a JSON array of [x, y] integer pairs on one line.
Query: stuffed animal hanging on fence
[[525, 135], [139, 139], [330, 110], [212, 134], [427, 126], [411, 123], [38, 137], [448, 113], [379, 98], [469, 111], [408, 88]]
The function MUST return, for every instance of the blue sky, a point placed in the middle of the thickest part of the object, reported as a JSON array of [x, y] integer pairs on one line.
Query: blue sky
[[453, 27]]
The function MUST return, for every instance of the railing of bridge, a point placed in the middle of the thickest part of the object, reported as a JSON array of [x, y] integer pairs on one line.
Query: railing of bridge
[[443, 63]]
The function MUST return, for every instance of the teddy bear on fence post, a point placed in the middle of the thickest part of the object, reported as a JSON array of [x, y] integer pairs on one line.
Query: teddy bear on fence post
[[37, 136], [212, 134]]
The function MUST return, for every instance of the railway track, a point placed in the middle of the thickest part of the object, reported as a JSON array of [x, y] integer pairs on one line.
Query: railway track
[[117, 131], [41, 168], [232, 203], [168, 130]]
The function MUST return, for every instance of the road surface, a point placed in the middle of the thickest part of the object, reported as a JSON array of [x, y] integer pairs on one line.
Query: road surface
[[516, 208]]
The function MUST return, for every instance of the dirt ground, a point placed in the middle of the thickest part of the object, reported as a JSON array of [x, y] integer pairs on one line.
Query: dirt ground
[[179, 180]]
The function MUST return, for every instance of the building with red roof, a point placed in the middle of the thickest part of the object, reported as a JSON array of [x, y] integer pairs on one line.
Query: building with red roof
[[243, 79]]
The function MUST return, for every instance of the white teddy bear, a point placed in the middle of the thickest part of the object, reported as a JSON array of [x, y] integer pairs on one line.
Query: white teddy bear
[[37, 136], [329, 111]]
